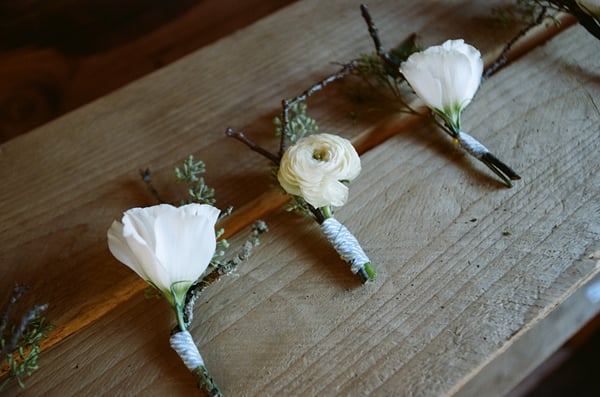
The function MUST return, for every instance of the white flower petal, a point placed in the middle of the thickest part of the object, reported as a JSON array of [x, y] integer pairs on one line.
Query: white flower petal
[[165, 245], [314, 166], [425, 85], [155, 271], [329, 192], [445, 77], [117, 244], [142, 220], [186, 241]]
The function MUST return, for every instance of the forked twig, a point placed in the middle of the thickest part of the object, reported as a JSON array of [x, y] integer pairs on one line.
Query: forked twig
[[147, 178], [286, 104]]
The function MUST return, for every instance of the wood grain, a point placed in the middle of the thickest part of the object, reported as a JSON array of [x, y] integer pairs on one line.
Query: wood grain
[[55, 57], [155, 123], [467, 268]]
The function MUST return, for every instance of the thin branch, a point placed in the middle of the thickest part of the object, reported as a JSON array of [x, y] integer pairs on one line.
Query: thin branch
[[240, 136], [503, 58], [193, 293], [18, 290], [145, 174], [374, 33], [25, 320], [286, 104]]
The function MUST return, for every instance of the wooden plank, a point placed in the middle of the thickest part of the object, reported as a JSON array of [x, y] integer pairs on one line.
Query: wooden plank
[[545, 336], [46, 70], [65, 182], [296, 321]]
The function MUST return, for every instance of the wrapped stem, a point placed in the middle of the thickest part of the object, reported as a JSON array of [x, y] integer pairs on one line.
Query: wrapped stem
[[481, 153], [349, 248], [187, 350]]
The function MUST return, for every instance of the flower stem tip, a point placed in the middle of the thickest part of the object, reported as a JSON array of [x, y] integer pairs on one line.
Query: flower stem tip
[[368, 272], [206, 382]]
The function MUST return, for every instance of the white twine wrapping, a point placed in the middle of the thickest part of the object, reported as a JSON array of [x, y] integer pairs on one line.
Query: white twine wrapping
[[345, 244], [187, 350], [471, 145]]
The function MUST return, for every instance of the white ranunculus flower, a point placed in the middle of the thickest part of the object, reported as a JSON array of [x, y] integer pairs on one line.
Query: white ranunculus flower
[[446, 77], [315, 166], [169, 247], [592, 7]]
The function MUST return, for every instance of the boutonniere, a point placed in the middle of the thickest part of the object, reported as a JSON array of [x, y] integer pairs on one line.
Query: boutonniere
[[445, 77], [315, 169], [172, 248]]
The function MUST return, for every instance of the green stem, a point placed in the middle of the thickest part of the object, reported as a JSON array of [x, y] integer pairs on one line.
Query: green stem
[[180, 319], [370, 272], [327, 211]]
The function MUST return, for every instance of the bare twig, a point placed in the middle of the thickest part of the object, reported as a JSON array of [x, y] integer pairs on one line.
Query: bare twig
[[193, 293], [374, 33], [25, 320], [145, 174], [18, 290], [286, 104], [240, 136], [503, 58]]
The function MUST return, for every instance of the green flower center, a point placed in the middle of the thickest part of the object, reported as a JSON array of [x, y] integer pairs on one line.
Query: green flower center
[[321, 154]]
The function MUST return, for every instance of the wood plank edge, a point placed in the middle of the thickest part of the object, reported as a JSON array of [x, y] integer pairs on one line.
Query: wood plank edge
[[543, 336]]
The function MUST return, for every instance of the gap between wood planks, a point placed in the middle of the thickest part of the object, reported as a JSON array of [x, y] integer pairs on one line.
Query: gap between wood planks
[[271, 200]]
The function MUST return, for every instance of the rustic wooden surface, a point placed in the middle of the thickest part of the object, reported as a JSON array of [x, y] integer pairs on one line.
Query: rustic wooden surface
[[55, 57], [471, 274]]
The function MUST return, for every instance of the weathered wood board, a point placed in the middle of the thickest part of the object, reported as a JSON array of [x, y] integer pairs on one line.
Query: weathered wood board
[[468, 269], [47, 70]]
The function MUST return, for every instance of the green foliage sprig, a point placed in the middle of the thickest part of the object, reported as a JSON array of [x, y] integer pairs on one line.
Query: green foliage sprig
[[20, 342], [300, 125], [380, 69], [189, 173]]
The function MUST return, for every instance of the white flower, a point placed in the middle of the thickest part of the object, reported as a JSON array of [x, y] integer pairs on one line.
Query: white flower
[[446, 77], [592, 7], [315, 166], [169, 247]]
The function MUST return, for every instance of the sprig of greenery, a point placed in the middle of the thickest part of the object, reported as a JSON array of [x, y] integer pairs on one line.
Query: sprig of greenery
[[299, 205], [528, 12], [522, 11], [20, 343], [222, 246], [381, 71], [300, 125], [189, 173]]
